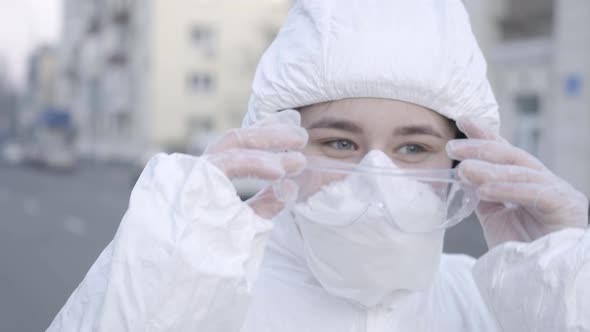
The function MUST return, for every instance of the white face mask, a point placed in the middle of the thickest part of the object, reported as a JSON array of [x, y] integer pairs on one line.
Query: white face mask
[[370, 261]]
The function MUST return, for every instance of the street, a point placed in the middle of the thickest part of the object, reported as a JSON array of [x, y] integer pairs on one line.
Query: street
[[53, 226]]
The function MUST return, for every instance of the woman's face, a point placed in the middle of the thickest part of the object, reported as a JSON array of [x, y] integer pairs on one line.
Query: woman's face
[[411, 135]]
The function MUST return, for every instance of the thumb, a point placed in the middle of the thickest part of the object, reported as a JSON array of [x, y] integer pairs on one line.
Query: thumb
[[274, 198]]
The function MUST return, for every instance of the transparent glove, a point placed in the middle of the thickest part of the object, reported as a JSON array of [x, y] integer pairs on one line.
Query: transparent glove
[[521, 200], [267, 151]]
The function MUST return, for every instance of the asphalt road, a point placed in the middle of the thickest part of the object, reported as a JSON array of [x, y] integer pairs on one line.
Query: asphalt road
[[53, 226]]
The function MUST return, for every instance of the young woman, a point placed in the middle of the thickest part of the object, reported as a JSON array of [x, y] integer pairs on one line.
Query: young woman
[[353, 118]]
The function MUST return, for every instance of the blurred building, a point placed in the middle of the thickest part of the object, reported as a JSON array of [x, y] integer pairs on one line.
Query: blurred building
[[8, 104], [45, 129], [145, 75], [88, 63], [538, 53], [42, 85]]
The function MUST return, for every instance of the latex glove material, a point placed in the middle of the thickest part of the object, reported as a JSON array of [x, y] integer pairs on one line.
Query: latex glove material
[[539, 286], [266, 151], [185, 257], [371, 261], [521, 199]]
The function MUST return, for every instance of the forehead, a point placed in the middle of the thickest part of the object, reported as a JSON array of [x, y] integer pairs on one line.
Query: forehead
[[374, 114]]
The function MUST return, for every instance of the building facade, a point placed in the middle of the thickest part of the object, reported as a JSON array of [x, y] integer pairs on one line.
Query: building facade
[[538, 53], [9, 103], [43, 85], [152, 75]]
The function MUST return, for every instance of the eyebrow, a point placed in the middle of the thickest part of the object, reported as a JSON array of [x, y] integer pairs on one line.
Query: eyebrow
[[339, 124], [417, 130], [329, 123]]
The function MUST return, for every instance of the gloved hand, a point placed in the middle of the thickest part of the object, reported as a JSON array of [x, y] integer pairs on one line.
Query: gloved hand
[[266, 151], [521, 200]]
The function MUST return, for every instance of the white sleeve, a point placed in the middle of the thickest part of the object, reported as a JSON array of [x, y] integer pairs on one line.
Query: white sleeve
[[539, 286], [185, 256]]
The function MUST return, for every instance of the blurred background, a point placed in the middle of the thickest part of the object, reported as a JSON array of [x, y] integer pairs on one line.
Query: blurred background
[[90, 89]]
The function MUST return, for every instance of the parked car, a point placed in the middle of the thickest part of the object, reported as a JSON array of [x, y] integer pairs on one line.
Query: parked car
[[57, 157], [12, 153], [60, 158]]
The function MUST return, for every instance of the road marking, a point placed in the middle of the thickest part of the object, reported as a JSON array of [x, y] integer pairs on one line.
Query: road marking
[[75, 225]]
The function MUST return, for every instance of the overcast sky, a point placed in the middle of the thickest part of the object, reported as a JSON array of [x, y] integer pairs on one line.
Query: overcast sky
[[23, 25]]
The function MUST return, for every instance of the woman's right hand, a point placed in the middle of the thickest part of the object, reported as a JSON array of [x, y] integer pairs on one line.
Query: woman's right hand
[[267, 151]]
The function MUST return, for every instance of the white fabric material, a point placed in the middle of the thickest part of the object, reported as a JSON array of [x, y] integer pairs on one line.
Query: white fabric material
[[187, 255], [370, 262], [419, 51], [539, 286], [190, 256]]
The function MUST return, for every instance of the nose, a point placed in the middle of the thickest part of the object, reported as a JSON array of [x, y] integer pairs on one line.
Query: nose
[[376, 150]]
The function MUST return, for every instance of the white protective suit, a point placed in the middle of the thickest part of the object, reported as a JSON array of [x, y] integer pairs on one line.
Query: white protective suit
[[189, 255]]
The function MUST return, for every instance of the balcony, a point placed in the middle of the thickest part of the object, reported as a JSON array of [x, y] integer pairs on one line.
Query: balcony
[[115, 45], [94, 26], [117, 59]]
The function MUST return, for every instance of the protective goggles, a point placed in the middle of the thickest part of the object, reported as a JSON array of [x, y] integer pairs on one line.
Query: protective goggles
[[337, 193]]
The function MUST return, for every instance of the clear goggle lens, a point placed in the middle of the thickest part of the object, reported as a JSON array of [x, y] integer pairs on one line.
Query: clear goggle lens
[[414, 200]]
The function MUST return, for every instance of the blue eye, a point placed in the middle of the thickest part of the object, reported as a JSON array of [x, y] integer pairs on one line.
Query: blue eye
[[412, 149], [341, 144]]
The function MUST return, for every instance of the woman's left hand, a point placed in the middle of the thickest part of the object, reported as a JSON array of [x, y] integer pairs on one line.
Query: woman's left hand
[[521, 200]]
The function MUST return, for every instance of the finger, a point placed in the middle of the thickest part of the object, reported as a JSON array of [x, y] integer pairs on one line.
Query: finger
[[477, 172], [289, 116], [278, 137], [543, 198], [485, 209], [258, 164], [474, 129], [491, 151], [267, 204]]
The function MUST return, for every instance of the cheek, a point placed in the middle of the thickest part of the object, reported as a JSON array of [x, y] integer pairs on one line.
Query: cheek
[[312, 149], [435, 160], [441, 160]]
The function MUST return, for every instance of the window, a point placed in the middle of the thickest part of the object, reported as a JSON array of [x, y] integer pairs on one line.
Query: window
[[201, 82], [528, 132], [203, 39], [199, 124], [527, 19], [201, 35], [123, 124]]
